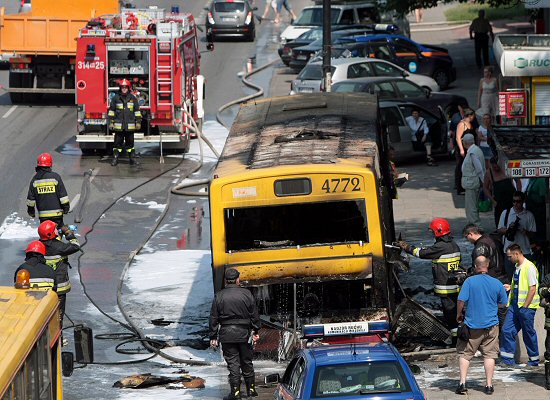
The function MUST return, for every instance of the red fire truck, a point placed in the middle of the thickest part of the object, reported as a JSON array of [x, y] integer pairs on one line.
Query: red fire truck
[[158, 53]]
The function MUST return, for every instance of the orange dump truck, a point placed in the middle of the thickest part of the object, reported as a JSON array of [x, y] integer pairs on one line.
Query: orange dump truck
[[43, 44]]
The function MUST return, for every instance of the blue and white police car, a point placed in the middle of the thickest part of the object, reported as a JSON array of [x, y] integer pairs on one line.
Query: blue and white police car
[[367, 370]]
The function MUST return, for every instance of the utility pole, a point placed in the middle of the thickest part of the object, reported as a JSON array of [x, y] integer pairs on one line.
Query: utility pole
[[327, 39]]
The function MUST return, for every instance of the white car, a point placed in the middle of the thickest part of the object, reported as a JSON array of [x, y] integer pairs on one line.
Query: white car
[[360, 13], [309, 79]]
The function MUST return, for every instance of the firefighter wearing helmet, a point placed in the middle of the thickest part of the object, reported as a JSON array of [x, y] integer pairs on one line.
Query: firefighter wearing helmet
[[57, 253], [124, 120], [41, 276], [47, 193], [447, 270]]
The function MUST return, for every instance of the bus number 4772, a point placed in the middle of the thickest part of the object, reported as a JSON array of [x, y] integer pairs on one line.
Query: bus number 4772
[[336, 185]]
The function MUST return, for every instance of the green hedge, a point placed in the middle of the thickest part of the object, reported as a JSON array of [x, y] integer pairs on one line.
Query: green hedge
[[467, 12]]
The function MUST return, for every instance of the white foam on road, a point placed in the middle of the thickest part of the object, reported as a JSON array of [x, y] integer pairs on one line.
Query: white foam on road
[[150, 204], [15, 227]]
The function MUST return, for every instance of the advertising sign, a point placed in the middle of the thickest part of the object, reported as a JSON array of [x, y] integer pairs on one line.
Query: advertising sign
[[512, 104], [525, 62], [528, 168]]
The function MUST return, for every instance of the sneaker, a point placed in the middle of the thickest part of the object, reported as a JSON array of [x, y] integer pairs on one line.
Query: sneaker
[[461, 389], [489, 390]]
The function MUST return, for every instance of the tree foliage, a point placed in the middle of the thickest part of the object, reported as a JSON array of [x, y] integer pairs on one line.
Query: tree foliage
[[406, 6]]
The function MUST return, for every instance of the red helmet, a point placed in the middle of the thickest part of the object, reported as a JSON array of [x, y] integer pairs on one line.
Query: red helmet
[[47, 230], [44, 160], [440, 227], [36, 246], [124, 82]]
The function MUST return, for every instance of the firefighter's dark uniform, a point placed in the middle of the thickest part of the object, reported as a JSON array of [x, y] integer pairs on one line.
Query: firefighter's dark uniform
[[57, 253], [42, 276], [124, 115], [235, 312], [544, 293], [485, 246], [48, 194], [447, 274]]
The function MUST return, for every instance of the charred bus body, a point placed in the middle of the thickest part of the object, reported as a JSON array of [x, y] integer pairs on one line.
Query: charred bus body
[[302, 194]]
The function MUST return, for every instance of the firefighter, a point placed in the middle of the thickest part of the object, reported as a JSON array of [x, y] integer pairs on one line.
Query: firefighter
[[446, 268], [47, 193], [544, 292], [124, 119], [57, 253], [42, 276], [234, 311]]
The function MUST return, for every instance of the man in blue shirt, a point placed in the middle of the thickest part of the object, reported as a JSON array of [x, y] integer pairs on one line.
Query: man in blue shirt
[[482, 295]]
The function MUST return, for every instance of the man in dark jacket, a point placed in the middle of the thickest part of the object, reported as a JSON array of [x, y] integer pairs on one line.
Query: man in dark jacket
[[41, 276], [485, 246], [544, 293], [47, 193], [446, 268], [124, 120], [57, 253], [235, 313]]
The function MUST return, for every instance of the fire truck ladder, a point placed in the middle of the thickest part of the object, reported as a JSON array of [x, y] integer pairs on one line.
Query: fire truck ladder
[[165, 75]]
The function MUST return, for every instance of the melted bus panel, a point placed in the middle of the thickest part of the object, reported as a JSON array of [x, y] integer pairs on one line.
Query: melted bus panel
[[298, 197]]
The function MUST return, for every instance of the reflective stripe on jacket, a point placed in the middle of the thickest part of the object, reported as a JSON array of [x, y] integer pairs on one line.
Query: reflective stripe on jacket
[[41, 276], [57, 253], [48, 194], [523, 287], [124, 112]]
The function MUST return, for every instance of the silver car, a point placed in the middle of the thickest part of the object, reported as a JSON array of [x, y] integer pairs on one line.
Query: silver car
[[233, 18], [310, 78]]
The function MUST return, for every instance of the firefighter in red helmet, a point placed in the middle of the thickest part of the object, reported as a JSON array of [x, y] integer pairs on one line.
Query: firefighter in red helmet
[[47, 192], [124, 120], [42, 276], [447, 270], [57, 253]]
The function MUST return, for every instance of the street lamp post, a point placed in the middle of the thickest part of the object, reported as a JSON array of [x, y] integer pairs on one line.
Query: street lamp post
[[326, 45]]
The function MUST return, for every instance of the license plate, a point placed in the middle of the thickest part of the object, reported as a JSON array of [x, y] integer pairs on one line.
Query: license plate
[[301, 57], [228, 19], [306, 90], [95, 122]]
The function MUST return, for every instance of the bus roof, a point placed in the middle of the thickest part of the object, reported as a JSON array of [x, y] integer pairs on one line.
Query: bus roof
[[319, 128], [23, 316]]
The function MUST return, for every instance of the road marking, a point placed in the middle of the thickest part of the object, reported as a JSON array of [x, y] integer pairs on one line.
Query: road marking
[[7, 114], [94, 173], [74, 202]]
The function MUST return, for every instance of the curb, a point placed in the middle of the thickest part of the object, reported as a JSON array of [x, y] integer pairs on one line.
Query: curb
[[439, 23], [442, 28]]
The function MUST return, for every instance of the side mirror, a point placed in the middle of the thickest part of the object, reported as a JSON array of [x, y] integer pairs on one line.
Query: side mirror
[[67, 363], [428, 92], [271, 379], [405, 74], [84, 345]]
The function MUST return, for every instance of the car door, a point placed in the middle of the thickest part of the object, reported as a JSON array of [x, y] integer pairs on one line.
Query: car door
[[381, 50], [382, 68], [435, 125], [385, 90], [399, 134], [408, 55], [359, 70], [410, 91]]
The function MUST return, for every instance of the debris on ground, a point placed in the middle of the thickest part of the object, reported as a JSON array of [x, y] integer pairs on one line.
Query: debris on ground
[[141, 381]]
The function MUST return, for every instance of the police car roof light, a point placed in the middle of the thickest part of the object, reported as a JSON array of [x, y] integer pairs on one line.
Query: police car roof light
[[354, 328], [390, 28]]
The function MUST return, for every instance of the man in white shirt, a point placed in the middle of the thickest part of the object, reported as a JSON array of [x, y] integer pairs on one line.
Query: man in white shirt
[[519, 233], [420, 132], [473, 174]]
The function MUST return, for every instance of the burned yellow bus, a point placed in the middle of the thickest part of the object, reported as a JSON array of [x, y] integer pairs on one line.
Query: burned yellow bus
[[302, 194]]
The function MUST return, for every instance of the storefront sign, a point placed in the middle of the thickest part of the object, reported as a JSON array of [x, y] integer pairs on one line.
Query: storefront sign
[[528, 168], [512, 104], [525, 63]]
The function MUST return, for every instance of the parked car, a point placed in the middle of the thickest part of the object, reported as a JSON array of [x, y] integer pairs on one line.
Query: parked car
[[310, 78], [396, 88], [418, 58], [230, 18], [316, 35], [301, 55], [350, 371], [393, 116], [366, 12]]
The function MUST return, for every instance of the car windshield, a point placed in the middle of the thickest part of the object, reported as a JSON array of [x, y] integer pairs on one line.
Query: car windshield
[[346, 87], [314, 17], [313, 72], [365, 378], [229, 7]]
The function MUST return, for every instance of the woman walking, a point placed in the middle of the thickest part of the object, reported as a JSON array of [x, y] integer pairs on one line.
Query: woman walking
[[487, 95]]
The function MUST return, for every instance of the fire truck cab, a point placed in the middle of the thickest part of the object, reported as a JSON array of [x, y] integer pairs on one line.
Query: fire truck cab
[[158, 53]]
